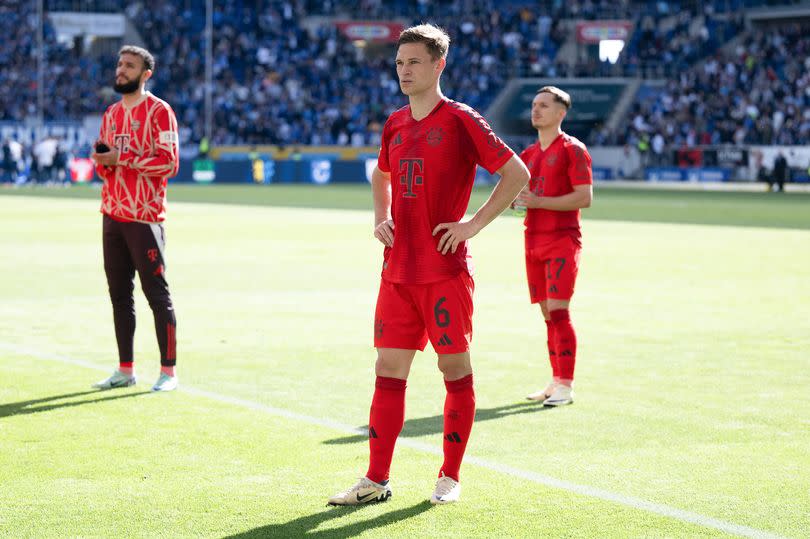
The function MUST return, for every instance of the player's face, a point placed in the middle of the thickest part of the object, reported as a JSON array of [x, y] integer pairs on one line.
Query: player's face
[[129, 74], [416, 70], [546, 112]]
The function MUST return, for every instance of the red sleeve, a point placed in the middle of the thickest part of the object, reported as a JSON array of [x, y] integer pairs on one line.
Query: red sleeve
[[382, 158], [165, 161], [490, 151], [579, 165], [524, 156], [105, 172]]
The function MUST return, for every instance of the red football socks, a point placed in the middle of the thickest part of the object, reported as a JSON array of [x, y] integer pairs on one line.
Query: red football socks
[[167, 370], [565, 343], [459, 414], [126, 367], [384, 425], [552, 356]]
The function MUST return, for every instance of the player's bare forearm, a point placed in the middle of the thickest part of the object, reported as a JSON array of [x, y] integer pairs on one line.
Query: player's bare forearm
[[579, 198], [514, 176], [381, 192]]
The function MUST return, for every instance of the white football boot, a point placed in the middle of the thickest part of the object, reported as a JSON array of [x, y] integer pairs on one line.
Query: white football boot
[[561, 396], [447, 490], [364, 491], [117, 379], [165, 383], [541, 396]]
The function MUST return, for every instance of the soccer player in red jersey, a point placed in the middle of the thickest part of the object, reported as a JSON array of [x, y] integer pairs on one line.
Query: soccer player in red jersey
[[561, 184], [421, 186], [136, 154]]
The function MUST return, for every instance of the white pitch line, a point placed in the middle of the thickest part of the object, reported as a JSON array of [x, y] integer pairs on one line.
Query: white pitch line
[[584, 490]]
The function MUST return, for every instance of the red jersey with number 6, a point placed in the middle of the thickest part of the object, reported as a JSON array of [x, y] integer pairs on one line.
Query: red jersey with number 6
[[554, 172], [146, 138], [432, 163]]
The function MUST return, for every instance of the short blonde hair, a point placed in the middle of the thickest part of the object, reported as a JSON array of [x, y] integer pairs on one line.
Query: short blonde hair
[[435, 39], [559, 96]]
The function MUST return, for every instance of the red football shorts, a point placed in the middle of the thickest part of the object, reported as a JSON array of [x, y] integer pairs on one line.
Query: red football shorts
[[407, 315], [552, 267]]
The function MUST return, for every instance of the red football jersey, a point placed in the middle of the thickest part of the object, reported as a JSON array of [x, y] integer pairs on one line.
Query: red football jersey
[[554, 172], [148, 155], [432, 164]]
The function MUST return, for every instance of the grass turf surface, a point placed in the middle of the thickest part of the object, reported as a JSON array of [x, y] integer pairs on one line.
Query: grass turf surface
[[774, 210], [692, 377]]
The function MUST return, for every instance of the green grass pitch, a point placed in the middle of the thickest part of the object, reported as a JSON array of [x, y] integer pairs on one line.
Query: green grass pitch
[[693, 376]]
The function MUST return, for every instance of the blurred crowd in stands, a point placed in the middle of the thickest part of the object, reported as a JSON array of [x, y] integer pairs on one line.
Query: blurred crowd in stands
[[280, 82], [283, 77], [757, 94], [44, 162]]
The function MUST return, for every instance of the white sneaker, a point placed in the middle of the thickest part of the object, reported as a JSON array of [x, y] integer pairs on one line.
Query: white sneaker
[[448, 490], [561, 396], [165, 383], [543, 395], [117, 379], [365, 491]]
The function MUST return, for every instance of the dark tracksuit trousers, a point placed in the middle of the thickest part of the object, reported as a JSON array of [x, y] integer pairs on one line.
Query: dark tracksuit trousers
[[131, 247]]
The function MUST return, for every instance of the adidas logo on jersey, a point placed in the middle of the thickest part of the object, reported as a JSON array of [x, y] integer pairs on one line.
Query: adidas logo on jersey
[[445, 340]]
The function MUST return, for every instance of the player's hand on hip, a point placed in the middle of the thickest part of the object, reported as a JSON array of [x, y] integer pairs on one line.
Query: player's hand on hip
[[385, 232], [455, 233], [526, 198]]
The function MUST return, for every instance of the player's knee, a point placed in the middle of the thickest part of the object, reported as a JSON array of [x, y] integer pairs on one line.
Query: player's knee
[[455, 372], [390, 367], [556, 305], [159, 301], [455, 366], [123, 301], [121, 294]]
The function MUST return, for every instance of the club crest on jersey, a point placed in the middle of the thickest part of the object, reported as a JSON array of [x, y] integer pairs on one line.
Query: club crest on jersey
[[434, 136], [136, 124]]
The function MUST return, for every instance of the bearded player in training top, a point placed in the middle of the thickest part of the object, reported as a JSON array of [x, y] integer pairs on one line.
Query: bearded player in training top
[[421, 188], [561, 184], [136, 154]]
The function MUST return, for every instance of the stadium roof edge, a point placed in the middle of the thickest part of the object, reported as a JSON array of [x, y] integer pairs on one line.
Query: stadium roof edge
[[776, 13]]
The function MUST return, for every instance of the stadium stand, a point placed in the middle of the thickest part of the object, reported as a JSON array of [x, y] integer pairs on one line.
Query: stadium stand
[[286, 75], [758, 93]]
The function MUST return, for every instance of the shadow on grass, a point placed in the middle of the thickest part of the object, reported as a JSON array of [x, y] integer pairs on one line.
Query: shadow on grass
[[304, 526], [435, 424], [30, 406]]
